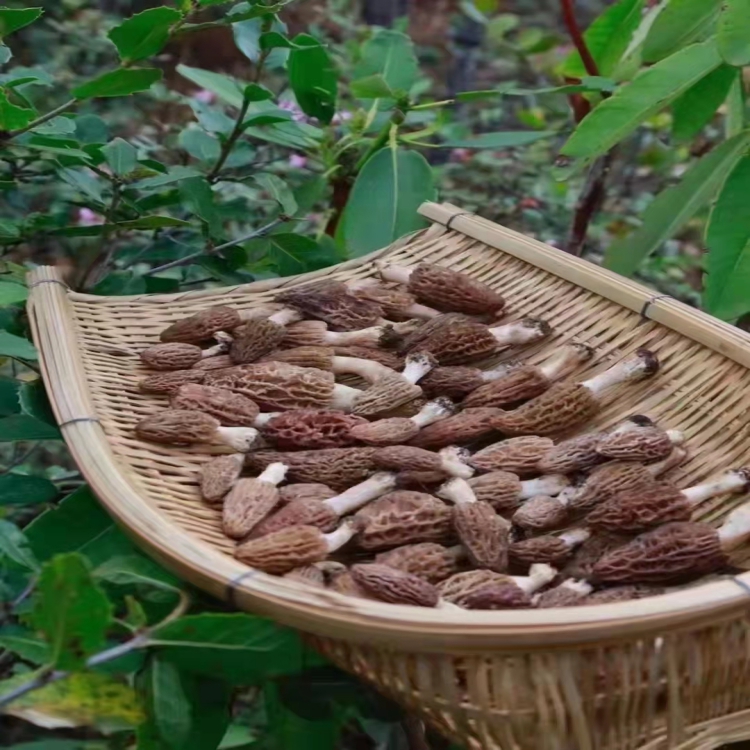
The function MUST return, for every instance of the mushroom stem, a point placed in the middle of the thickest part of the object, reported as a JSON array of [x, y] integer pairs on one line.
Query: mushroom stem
[[264, 418], [433, 411], [417, 366], [551, 485], [574, 537], [521, 332], [540, 574], [343, 397], [675, 458], [452, 462], [578, 585], [421, 311], [241, 439], [362, 493], [643, 364], [339, 537], [370, 335], [499, 371], [286, 316], [676, 437], [458, 491], [565, 361], [273, 473], [221, 348], [731, 481], [397, 274], [367, 369]]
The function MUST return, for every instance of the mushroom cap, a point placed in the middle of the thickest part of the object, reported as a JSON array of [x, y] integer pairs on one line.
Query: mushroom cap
[[426, 328], [385, 431], [394, 301], [386, 394], [339, 468], [622, 594], [406, 458], [298, 513], [218, 362], [520, 455], [501, 489], [575, 454], [285, 550], [521, 384], [672, 553], [394, 586], [344, 583], [541, 513], [169, 382], [455, 381], [376, 354], [560, 596], [606, 481], [641, 444], [309, 574], [458, 429], [404, 517], [560, 408], [633, 511], [229, 408], [305, 491], [311, 429], [254, 339], [428, 560], [497, 596], [540, 549], [331, 302], [445, 289], [202, 326], [484, 534], [246, 505], [319, 357], [584, 558], [178, 427], [171, 356], [457, 342], [456, 588], [218, 476]]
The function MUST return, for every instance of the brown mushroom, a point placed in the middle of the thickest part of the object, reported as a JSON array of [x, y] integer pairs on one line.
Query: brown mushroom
[[203, 325], [639, 443], [520, 455], [446, 289], [493, 590], [383, 356], [218, 476], [251, 500], [457, 381], [590, 552], [401, 429], [260, 336], [430, 561], [304, 491], [292, 547], [323, 357], [316, 333], [543, 513], [218, 362], [394, 586], [568, 405], [570, 593], [449, 461], [622, 594], [311, 429], [482, 532], [675, 552], [187, 427], [504, 490], [167, 383], [231, 409], [178, 356], [467, 426], [634, 511], [396, 302], [553, 550], [529, 381]]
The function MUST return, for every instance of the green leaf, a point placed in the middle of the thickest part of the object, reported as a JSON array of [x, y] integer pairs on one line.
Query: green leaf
[[121, 82], [25, 644], [144, 34], [682, 22], [239, 648], [19, 489], [9, 403], [21, 427], [247, 37], [726, 292], [292, 254], [371, 87], [87, 699], [136, 570], [384, 200], [607, 39], [615, 118], [120, 155], [503, 139], [735, 118], [12, 19], [254, 92], [199, 144], [391, 55], [168, 704], [16, 347], [121, 284], [733, 35], [15, 546], [199, 198], [274, 40], [84, 181], [278, 190], [225, 87], [151, 222], [5, 54], [70, 610], [698, 105], [13, 117], [12, 292], [673, 207], [91, 129], [313, 78], [56, 126], [175, 174], [33, 400]]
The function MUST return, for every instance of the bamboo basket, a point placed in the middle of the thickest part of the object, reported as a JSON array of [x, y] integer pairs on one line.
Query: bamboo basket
[[671, 671]]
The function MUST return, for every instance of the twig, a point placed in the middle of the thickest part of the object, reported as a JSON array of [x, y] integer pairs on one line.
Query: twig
[[39, 120], [569, 17], [104, 257]]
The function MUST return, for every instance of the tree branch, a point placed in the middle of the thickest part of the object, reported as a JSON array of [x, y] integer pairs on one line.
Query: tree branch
[[571, 24], [39, 120]]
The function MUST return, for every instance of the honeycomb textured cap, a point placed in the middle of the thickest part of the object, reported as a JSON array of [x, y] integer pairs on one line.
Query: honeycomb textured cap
[[311, 429], [166, 383], [231, 409], [457, 342], [305, 491], [445, 289], [465, 427], [520, 455], [501, 489], [246, 505], [484, 534], [202, 326], [497, 596], [456, 588], [254, 339], [217, 476], [285, 550], [178, 427], [171, 356], [430, 561], [519, 385], [572, 455], [394, 586], [298, 513]]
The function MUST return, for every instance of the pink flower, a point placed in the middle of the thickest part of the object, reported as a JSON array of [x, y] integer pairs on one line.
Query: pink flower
[[297, 114], [87, 218], [461, 155], [297, 161], [340, 117], [205, 96]]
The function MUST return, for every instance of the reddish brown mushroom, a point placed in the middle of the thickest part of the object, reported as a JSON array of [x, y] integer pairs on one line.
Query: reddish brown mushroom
[[305, 491], [260, 336], [543, 513], [219, 475], [402, 429], [251, 500], [394, 586], [396, 302], [449, 461], [520, 455], [231, 409], [203, 325], [177, 356], [570, 593], [504, 490], [167, 383], [311, 429], [507, 592], [428, 560], [457, 381], [553, 550], [467, 426]]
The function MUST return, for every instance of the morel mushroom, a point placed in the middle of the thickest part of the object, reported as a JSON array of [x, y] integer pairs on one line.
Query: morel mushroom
[[465, 427], [167, 383], [504, 490], [568, 405], [402, 429], [529, 381], [323, 357], [432, 562], [590, 552], [446, 289], [218, 362], [304, 491], [260, 336], [337, 468], [457, 381], [187, 427], [459, 585], [520, 455], [231, 409], [554, 550], [325, 514], [311, 429], [203, 325], [570, 593], [218, 476], [544, 513], [644, 442], [383, 356], [622, 594], [251, 500], [177, 356], [514, 593], [634, 511], [316, 333], [675, 552], [448, 461], [396, 302], [482, 532], [394, 586], [291, 548]]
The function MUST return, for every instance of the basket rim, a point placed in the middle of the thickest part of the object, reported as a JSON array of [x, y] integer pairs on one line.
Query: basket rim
[[327, 613]]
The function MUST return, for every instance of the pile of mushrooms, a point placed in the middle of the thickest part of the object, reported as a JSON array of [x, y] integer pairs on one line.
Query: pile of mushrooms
[[430, 477]]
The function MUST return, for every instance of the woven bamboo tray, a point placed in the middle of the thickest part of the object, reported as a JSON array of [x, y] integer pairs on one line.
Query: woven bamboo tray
[[671, 671]]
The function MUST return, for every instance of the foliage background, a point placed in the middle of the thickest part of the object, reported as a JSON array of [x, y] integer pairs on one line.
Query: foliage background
[[153, 147]]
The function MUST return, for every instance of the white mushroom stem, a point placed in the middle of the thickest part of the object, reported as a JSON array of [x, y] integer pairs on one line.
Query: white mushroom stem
[[675, 458], [264, 418], [458, 491], [551, 485], [397, 274], [361, 494], [731, 481], [224, 341], [580, 587], [565, 361], [574, 537], [499, 371], [241, 439], [273, 473], [370, 335], [433, 411], [452, 462], [417, 366], [415, 311], [634, 368], [344, 397], [338, 538], [676, 437], [445, 604], [286, 316], [540, 574], [367, 369], [521, 332]]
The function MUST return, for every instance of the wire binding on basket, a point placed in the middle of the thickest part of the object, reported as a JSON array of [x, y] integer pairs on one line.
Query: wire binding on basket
[[650, 301], [76, 420], [742, 584], [455, 216], [49, 281], [234, 585]]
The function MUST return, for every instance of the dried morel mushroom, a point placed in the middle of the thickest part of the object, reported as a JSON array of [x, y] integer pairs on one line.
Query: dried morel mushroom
[[568, 405], [316, 333], [166, 383], [383, 356], [305, 491], [231, 409], [529, 381], [186, 427], [569, 593], [457, 381], [553, 550], [482, 532], [590, 552], [320, 357], [634, 511], [396, 302], [402, 429], [622, 594], [260, 336], [675, 552], [218, 476], [449, 461], [520, 455], [177, 356], [544, 513], [291, 548], [504, 490], [203, 325], [428, 560], [394, 586], [465, 427], [514, 593], [251, 500], [645, 442], [311, 429], [446, 289]]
